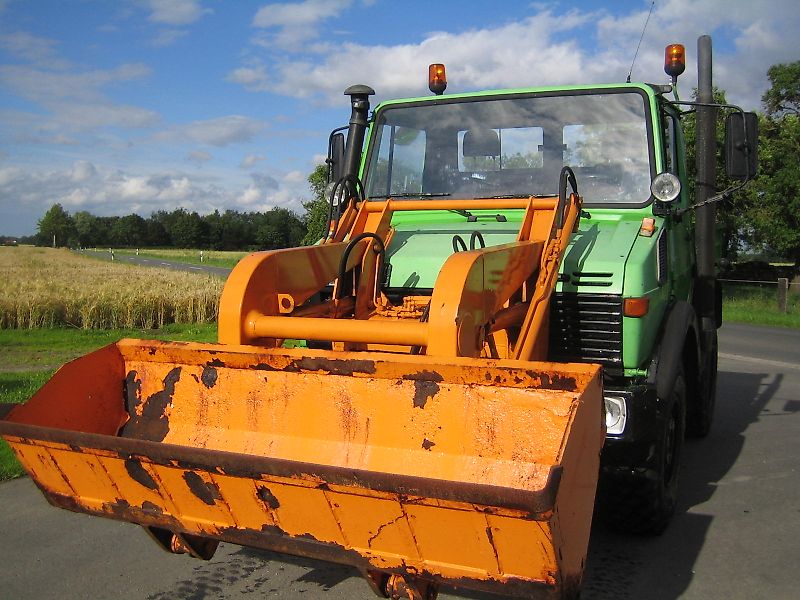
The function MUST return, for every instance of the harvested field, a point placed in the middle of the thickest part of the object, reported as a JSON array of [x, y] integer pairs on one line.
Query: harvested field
[[44, 287]]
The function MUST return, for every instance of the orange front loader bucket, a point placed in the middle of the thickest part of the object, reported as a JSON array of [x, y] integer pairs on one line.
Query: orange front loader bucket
[[471, 472]]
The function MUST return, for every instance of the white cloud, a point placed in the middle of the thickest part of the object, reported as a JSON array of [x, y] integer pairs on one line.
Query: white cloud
[[199, 156], [82, 171], [175, 12], [251, 159], [295, 177], [221, 131], [288, 25], [26, 192], [545, 48], [253, 78], [76, 100], [167, 37], [33, 49]]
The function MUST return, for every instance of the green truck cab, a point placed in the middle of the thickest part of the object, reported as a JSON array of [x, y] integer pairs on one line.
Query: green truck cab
[[630, 295]]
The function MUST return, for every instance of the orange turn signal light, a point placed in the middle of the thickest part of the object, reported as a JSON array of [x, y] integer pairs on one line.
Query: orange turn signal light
[[648, 227], [635, 307], [437, 79], [674, 60]]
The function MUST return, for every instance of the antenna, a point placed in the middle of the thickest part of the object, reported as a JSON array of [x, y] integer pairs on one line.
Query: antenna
[[641, 37]]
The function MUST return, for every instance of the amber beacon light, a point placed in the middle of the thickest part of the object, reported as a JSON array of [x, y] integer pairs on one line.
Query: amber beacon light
[[674, 60], [437, 79]]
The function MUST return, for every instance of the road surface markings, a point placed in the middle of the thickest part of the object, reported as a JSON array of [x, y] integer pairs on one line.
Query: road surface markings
[[763, 361]]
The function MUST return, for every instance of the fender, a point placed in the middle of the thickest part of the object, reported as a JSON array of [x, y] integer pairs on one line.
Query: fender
[[681, 319]]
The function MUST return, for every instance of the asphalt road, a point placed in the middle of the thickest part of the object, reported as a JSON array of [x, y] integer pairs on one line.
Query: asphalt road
[[735, 535], [156, 262]]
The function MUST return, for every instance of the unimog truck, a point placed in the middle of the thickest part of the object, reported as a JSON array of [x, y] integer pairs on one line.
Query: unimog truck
[[511, 286], [637, 290]]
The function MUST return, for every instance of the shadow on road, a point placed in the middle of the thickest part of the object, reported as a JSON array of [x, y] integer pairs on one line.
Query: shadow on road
[[661, 568]]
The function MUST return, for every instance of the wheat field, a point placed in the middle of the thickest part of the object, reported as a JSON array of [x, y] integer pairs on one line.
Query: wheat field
[[45, 287]]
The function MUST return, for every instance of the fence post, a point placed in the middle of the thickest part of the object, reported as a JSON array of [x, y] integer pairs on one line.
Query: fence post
[[783, 288]]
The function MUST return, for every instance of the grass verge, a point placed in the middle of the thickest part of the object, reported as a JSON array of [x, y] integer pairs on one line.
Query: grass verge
[[758, 305], [30, 357]]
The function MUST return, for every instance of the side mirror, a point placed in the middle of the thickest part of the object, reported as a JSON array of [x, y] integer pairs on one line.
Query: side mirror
[[741, 145], [335, 157]]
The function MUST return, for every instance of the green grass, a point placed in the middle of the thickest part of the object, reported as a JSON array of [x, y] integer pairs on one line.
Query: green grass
[[15, 388], [30, 357], [758, 305]]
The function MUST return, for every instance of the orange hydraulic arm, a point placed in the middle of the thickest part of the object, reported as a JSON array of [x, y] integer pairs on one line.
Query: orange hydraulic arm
[[476, 292]]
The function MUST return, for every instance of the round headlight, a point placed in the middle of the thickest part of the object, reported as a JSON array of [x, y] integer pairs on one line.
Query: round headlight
[[665, 187]]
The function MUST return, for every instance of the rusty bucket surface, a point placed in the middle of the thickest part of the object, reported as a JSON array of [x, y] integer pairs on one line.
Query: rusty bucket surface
[[471, 472]]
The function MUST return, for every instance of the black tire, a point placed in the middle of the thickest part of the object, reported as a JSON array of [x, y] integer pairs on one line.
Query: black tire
[[701, 411], [643, 501]]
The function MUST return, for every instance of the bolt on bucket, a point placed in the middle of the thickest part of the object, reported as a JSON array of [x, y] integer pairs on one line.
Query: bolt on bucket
[[469, 472]]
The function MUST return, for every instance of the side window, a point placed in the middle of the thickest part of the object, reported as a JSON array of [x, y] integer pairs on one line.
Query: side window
[[671, 149], [400, 162]]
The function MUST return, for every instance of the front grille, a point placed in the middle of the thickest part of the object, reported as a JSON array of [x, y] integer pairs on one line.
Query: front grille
[[586, 328]]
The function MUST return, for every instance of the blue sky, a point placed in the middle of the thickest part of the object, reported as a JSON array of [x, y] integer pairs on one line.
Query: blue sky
[[139, 105]]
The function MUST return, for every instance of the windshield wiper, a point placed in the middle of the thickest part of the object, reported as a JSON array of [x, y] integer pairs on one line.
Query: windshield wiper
[[464, 213]]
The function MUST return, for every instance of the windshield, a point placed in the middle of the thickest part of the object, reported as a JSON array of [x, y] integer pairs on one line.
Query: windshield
[[513, 146]]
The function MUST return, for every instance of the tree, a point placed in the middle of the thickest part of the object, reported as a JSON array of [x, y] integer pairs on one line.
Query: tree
[[129, 231], [773, 207], [188, 230], [56, 227], [278, 228], [89, 229], [316, 217], [784, 94]]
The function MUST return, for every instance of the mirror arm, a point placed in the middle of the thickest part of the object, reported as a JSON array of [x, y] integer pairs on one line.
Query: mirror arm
[[723, 195]]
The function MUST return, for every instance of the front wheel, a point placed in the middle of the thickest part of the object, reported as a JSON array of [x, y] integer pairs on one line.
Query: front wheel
[[643, 500]]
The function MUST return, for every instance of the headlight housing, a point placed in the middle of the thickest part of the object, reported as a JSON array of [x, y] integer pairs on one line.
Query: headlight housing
[[616, 414], [665, 187]]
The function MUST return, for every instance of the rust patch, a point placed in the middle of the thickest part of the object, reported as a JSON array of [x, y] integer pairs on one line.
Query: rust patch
[[336, 367], [554, 381], [209, 377], [153, 508], [204, 490], [215, 363], [266, 496], [427, 444], [272, 529], [426, 386], [139, 474], [150, 422], [132, 392], [262, 367], [494, 548]]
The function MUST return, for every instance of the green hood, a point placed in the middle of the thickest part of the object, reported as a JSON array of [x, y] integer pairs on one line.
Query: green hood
[[596, 256]]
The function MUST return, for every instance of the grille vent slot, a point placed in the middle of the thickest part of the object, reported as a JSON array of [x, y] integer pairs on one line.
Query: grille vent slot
[[586, 328]]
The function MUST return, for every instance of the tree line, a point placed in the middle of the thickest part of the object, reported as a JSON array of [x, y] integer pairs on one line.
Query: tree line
[[229, 230]]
